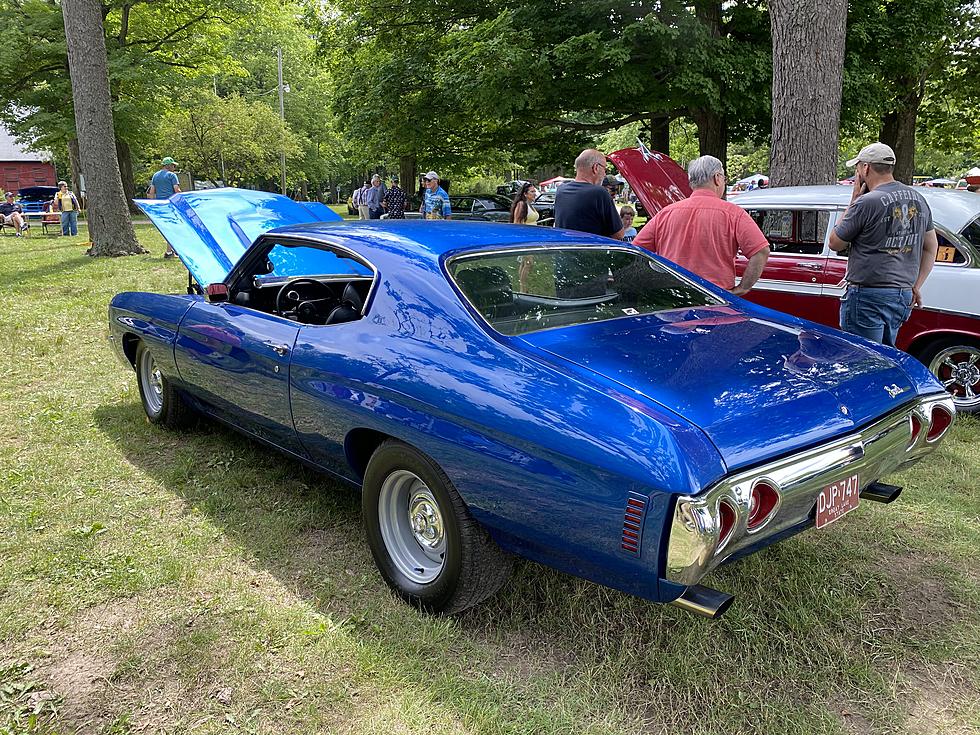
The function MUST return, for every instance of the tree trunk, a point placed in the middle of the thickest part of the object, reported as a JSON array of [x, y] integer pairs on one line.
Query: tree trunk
[[712, 125], [110, 227], [807, 76], [712, 134], [75, 162], [126, 173], [898, 128], [658, 133], [408, 173]]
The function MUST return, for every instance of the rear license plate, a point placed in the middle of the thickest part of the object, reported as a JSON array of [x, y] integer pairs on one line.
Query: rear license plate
[[837, 500]]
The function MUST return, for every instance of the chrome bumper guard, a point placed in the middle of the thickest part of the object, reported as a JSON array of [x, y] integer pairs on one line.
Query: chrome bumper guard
[[875, 451]]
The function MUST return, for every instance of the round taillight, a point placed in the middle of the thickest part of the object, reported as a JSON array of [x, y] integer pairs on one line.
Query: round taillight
[[762, 504], [726, 521], [941, 420], [916, 424]]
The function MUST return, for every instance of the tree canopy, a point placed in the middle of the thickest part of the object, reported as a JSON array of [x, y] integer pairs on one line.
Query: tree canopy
[[472, 87]]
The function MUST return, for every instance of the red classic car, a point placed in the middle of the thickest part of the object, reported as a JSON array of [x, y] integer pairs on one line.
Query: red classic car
[[804, 277]]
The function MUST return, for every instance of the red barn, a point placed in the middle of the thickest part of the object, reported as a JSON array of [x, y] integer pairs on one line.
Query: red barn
[[20, 168]]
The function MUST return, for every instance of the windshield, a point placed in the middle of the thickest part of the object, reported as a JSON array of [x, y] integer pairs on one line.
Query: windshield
[[528, 290]]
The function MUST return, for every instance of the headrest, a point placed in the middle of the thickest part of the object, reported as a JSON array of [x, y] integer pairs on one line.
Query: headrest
[[352, 297]]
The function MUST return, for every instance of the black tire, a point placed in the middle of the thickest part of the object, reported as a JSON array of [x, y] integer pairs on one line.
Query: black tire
[[949, 360], [472, 568], [162, 402]]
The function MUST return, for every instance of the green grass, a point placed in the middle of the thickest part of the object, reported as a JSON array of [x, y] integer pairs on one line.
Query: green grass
[[195, 583]]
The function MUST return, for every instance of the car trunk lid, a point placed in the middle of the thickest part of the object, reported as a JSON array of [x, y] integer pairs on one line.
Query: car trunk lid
[[757, 388], [210, 230]]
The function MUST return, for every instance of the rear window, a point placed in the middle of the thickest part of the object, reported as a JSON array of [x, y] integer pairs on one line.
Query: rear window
[[972, 233], [528, 290]]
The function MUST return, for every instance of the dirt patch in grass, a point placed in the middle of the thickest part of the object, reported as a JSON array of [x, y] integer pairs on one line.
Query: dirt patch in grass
[[942, 704], [78, 666], [81, 680]]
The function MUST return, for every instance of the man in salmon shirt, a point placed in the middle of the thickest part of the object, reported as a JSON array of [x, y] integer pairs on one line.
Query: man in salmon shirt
[[704, 233]]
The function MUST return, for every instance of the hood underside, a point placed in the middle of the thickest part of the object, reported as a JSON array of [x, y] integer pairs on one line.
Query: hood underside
[[210, 230], [757, 388]]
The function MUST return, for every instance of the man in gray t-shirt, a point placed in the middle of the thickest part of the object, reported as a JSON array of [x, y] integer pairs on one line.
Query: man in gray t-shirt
[[888, 228]]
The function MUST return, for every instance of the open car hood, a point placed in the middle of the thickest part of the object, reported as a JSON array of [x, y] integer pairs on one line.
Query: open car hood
[[655, 178], [211, 230]]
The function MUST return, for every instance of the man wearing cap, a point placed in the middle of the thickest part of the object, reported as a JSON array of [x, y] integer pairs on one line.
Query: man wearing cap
[[435, 202], [164, 185], [12, 214], [888, 228]]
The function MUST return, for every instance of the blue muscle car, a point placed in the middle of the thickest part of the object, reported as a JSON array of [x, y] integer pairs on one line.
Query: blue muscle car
[[500, 389]]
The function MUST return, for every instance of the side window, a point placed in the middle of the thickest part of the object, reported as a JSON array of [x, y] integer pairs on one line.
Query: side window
[[463, 204], [793, 231], [948, 251]]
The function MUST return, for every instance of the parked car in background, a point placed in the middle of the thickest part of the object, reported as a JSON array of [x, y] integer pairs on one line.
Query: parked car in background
[[510, 188], [33, 198], [545, 207], [478, 207], [503, 388], [804, 277]]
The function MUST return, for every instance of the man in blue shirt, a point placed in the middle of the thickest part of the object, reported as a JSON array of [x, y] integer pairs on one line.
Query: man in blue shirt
[[435, 204], [163, 185]]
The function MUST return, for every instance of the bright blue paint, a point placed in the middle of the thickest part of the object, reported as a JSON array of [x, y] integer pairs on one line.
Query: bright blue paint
[[543, 435], [227, 352], [211, 229]]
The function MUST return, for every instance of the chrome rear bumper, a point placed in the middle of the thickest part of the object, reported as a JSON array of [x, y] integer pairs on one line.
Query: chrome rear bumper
[[695, 546]]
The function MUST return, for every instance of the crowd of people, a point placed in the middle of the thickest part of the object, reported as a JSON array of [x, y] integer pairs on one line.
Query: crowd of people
[[889, 258], [375, 199]]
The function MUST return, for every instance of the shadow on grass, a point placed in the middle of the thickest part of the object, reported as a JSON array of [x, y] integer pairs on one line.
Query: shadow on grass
[[28, 278], [817, 631]]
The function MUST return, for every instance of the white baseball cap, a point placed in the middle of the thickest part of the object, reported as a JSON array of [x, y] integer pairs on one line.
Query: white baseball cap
[[874, 153], [431, 175]]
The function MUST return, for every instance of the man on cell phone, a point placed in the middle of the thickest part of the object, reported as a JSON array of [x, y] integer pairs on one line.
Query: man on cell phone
[[888, 228]]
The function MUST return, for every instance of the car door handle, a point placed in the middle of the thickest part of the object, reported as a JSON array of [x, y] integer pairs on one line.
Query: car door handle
[[281, 350], [811, 266]]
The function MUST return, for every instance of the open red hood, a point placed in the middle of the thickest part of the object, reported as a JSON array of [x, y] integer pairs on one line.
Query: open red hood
[[656, 178]]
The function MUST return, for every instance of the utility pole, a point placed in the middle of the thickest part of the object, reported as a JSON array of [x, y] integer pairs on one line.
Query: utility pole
[[221, 157], [282, 116]]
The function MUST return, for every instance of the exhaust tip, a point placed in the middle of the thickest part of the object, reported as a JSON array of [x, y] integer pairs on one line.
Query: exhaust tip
[[704, 601], [881, 492]]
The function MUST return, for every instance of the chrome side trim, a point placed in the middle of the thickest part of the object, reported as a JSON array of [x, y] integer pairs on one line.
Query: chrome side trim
[[877, 450]]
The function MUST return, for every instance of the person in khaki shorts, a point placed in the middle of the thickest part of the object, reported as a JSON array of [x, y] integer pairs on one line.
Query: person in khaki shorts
[[67, 203]]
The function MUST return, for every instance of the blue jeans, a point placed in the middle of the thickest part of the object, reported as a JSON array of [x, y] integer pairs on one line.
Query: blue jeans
[[875, 313], [69, 222]]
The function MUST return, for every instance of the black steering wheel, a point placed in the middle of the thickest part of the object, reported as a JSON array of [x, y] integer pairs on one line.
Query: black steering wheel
[[289, 287]]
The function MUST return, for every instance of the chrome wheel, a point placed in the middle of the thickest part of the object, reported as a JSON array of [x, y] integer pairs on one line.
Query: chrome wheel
[[958, 369], [412, 526], [152, 380]]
